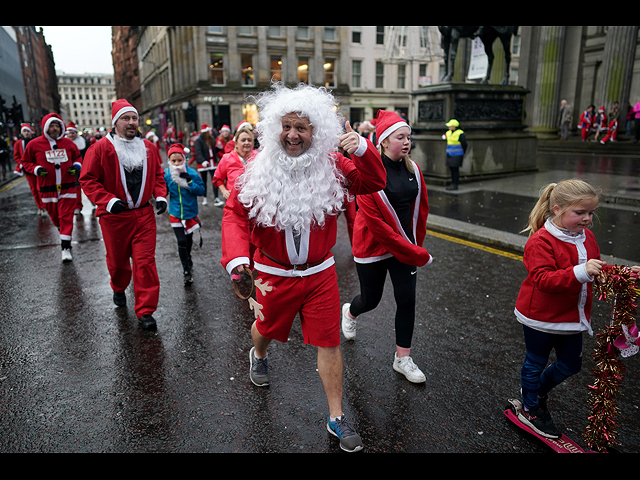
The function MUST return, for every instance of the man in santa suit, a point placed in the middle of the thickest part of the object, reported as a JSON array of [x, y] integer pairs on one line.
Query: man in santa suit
[[121, 174], [286, 204], [18, 150], [55, 161]]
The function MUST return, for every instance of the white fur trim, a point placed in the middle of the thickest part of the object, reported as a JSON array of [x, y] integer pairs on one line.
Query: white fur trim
[[122, 111], [392, 129]]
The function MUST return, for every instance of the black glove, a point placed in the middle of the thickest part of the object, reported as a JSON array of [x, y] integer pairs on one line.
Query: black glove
[[185, 175], [118, 207], [42, 172], [161, 206], [73, 170]]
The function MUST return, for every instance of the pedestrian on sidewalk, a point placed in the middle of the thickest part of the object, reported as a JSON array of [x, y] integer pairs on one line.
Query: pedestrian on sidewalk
[[55, 161], [286, 204], [614, 119], [184, 186], [388, 237], [456, 149], [122, 173], [562, 259], [566, 117]]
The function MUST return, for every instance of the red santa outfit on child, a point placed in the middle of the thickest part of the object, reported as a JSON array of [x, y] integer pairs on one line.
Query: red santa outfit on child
[[121, 176], [55, 161]]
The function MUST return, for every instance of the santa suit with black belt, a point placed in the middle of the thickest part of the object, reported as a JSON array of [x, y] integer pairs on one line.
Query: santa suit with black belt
[[60, 159], [130, 234]]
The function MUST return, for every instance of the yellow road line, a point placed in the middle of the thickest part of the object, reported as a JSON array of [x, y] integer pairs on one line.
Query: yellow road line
[[475, 245], [10, 185]]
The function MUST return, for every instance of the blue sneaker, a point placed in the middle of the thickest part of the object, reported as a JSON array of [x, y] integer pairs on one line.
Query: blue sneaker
[[349, 440]]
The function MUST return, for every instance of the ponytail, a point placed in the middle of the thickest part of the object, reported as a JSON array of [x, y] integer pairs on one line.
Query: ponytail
[[564, 195]]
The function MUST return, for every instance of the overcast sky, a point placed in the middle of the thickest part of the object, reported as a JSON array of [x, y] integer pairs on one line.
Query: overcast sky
[[80, 49]]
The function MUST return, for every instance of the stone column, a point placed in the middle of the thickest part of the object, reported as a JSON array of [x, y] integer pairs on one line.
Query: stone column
[[617, 67], [548, 77]]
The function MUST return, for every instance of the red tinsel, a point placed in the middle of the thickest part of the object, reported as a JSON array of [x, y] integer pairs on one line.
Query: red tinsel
[[617, 286]]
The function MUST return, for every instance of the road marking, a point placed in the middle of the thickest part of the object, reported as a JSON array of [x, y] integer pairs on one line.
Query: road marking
[[476, 245], [12, 184]]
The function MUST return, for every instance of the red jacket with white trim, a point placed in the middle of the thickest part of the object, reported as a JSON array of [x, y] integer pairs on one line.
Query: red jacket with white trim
[[377, 232]]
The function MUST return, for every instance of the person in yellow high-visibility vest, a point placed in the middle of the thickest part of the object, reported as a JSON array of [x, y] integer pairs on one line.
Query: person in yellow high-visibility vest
[[456, 148]]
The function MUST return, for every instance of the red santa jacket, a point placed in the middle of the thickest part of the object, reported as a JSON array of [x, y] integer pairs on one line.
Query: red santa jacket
[[557, 293], [365, 174], [377, 232], [55, 156], [103, 179], [18, 151], [230, 168]]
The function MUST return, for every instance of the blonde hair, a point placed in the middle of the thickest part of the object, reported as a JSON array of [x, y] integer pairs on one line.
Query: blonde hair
[[564, 194], [246, 128]]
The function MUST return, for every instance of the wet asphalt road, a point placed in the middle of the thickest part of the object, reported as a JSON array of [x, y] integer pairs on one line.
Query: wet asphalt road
[[78, 375]]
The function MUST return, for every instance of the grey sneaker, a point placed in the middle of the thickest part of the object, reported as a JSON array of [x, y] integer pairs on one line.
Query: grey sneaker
[[350, 441], [410, 370], [348, 323], [259, 371]]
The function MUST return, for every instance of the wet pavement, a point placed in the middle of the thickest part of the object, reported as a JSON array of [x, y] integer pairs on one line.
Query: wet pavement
[[78, 375]]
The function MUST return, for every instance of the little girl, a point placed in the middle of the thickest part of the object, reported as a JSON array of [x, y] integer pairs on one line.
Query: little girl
[[554, 304], [184, 186]]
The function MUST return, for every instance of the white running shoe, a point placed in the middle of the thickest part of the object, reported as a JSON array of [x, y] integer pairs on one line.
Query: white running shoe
[[204, 201], [406, 367], [348, 323], [66, 255]]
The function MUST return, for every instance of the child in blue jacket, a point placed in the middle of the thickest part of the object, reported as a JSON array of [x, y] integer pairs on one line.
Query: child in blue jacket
[[184, 186]]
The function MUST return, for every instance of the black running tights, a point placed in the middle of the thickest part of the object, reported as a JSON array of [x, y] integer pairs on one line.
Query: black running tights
[[403, 278]]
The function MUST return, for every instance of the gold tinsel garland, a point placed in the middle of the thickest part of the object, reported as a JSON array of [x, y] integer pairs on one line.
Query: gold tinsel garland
[[617, 286]]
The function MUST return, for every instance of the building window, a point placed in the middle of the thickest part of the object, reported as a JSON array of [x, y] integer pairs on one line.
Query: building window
[[356, 74], [303, 70], [356, 34], [248, 78], [217, 69], [214, 30], [379, 35], [303, 33], [402, 77], [245, 30], [330, 34], [329, 72], [379, 75], [275, 31], [276, 69]]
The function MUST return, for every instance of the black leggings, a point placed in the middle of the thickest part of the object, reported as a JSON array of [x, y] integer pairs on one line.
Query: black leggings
[[185, 242], [403, 277]]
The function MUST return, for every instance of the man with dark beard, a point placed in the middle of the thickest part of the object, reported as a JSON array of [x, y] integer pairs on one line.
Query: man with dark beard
[[121, 173], [286, 204]]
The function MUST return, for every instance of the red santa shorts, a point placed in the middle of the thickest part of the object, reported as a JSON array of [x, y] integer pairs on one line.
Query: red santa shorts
[[315, 297]]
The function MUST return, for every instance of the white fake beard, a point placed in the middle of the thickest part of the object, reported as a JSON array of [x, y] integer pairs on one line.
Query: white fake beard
[[282, 191], [131, 153], [175, 174]]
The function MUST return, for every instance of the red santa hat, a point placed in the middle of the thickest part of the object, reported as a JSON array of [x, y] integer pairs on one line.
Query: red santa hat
[[225, 128], [387, 123], [119, 108], [26, 126], [176, 148], [46, 123], [72, 126], [243, 123], [205, 128]]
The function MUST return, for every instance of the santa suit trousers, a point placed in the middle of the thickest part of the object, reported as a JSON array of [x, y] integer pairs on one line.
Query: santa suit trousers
[[61, 215], [131, 236]]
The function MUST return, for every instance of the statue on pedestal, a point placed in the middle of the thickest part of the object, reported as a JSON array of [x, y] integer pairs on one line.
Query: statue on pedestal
[[488, 35]]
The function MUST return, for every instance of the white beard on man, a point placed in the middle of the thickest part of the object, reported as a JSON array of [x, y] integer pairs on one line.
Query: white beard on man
[[131, 153]]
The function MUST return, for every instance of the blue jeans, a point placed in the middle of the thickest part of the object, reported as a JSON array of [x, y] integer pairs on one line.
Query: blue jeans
[[538, 381]]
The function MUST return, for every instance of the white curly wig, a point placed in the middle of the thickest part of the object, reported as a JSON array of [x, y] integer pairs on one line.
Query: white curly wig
[[282, 191]]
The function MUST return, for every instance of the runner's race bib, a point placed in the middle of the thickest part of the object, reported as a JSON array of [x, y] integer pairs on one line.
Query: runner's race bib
[[56, 156]]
